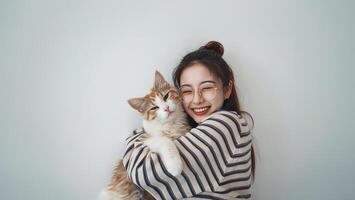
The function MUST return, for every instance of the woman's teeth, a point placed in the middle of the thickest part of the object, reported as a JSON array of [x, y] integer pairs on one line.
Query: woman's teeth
[[201, 111]]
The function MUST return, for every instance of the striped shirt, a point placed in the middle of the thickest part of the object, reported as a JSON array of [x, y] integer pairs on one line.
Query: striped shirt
[[216, 156]]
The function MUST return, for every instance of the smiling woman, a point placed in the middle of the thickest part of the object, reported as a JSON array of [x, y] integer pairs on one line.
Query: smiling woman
[[202, 92], [217, 153]]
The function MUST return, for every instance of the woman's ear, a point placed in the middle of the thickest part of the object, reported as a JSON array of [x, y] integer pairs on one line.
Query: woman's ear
[[229, 89]]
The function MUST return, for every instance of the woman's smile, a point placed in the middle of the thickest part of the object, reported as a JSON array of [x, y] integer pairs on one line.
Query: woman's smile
[[200, 111]]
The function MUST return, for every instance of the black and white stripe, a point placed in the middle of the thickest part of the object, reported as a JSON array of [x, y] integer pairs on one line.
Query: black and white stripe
[[216, 157]]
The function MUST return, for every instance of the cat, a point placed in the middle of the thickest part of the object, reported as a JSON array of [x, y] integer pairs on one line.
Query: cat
[[164, 120]]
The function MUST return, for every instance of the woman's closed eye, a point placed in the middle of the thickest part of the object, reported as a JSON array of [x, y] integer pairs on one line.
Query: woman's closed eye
[[186, 92], [207, 88]]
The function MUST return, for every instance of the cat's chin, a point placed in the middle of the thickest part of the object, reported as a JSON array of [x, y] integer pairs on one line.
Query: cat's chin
[[167, 116], [170, 114]]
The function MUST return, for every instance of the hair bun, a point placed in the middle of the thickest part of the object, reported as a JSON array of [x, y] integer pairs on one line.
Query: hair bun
[[215, 46]]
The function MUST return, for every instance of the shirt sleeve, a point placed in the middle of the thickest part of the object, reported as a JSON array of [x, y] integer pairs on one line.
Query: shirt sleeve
[[134, 149], [216, 157]]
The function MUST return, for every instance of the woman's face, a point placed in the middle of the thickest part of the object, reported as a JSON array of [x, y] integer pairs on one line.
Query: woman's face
[[202, 93]]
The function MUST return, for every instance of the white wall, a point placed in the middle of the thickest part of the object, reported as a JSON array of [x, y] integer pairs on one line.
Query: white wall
[[68, 67]]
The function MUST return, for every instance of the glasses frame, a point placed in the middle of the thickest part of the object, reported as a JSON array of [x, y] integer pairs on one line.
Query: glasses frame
[[199, 93]]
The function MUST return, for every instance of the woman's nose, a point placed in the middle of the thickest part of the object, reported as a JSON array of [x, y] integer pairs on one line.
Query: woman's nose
[[197, 98]]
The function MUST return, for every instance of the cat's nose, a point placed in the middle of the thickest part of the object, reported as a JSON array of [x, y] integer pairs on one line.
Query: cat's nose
[[166, 109]]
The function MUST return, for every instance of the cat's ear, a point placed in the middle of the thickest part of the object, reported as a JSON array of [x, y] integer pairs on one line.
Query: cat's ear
[[137, 103], [159, 80]]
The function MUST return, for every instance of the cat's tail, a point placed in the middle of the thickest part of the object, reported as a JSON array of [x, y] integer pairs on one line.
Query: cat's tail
[[120, 188], [112, 195], [108, 195]]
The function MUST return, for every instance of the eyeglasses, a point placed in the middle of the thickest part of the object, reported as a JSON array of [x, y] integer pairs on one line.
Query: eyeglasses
[[207, 91]]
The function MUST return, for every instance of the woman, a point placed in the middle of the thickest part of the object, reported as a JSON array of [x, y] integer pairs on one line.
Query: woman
[[218, 156]]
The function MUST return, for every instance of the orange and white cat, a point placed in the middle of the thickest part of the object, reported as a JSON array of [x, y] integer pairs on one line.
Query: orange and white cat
[[164, 120]]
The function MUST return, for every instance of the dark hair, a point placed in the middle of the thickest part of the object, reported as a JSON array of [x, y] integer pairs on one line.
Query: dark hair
[[210, 55]]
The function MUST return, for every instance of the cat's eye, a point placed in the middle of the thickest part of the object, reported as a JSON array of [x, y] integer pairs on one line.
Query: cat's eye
[[166, 96], [154, 108]]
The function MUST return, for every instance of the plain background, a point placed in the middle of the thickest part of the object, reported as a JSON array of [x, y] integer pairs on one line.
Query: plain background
[[68, 67]]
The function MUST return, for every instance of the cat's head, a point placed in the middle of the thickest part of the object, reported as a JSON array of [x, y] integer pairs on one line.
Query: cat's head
[[160, 104]]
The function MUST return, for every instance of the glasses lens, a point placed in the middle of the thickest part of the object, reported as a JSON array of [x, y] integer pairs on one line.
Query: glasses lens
[[209, 93], [186, 94]]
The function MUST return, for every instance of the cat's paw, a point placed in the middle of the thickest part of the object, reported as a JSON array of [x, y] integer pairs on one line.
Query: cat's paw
[[174, 166]]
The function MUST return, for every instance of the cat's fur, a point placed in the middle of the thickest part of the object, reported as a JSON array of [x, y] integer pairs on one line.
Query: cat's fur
[[163, 120]]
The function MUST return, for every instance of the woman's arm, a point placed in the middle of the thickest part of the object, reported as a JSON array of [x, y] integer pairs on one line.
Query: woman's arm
[[216, 157]]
